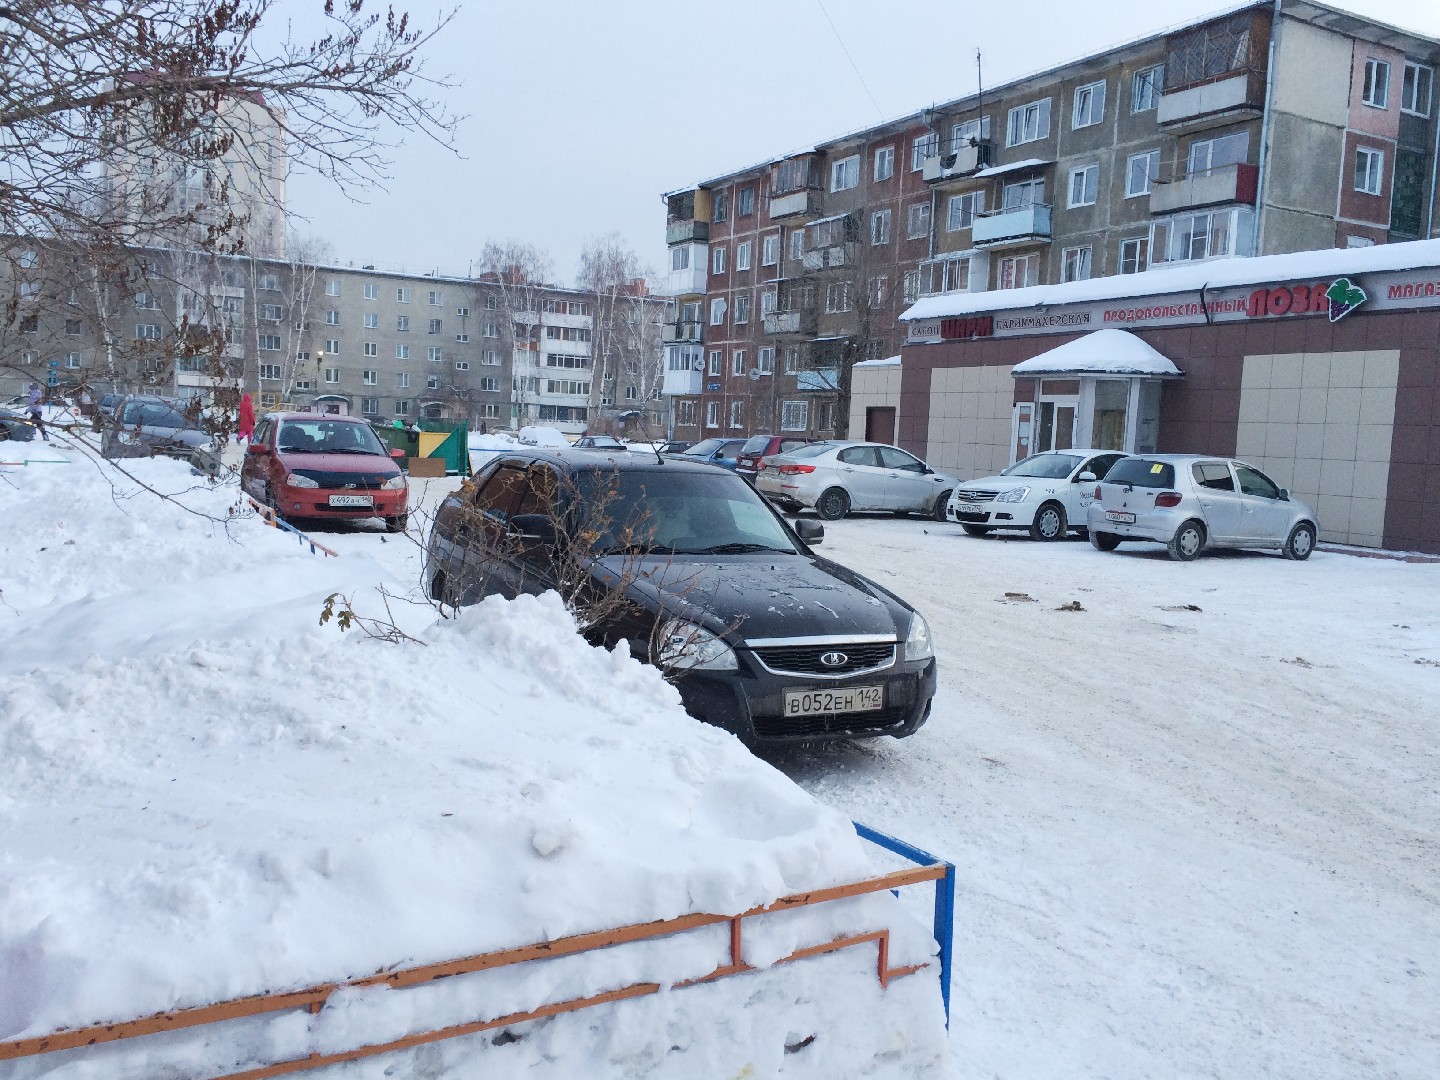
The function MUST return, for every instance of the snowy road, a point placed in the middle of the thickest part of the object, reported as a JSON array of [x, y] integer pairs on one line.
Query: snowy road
[[1195, 823]]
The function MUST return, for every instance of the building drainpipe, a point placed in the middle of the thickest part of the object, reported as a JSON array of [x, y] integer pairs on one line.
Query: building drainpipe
[[1265, 130], [1434, 169]]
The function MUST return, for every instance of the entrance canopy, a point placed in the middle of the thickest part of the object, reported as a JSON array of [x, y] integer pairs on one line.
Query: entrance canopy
[[1103, 352]]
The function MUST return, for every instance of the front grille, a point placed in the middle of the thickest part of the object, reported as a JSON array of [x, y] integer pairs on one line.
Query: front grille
[[969, 496], [346, 480], [805, 659], [814, 727], [971, 516]]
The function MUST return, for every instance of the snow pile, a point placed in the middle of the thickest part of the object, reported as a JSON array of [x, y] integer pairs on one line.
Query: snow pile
[[210, 794], [1108, 351], [540, 435]]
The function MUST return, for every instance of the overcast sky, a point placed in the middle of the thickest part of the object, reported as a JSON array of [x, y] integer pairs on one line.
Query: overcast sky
[[582, 112]]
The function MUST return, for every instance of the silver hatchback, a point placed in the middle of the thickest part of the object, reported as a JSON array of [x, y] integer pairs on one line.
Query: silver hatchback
[[842, 475], [1188, 503]]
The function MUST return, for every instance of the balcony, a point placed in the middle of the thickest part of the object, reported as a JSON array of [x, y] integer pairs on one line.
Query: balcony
[[825, 258], [675, 333], [683, 382], [1014, 227], [818, 380], [1228, 184], [691, 280], [686, 232], [963, 160], [1234, 97], [788, 323], [807, 201]]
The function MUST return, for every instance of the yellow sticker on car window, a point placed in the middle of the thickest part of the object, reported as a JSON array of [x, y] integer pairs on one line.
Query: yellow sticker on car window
[[1156, 467]]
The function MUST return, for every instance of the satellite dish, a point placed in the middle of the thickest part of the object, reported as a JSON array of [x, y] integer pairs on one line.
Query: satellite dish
[[754, 374]]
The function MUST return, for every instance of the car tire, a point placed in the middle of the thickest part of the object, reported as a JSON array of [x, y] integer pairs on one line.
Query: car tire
[[1300, 543], [1049, 523], [975, 530], [398, 523], [941, 504], [1103, 541], [1188, 541], [832, 505]]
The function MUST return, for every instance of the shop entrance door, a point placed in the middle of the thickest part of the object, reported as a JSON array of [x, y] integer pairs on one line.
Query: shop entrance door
[[1054, 424]]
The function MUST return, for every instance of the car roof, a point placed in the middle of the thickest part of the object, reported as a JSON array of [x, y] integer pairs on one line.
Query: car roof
[[569, 459], [317, 416], [1176, 459]]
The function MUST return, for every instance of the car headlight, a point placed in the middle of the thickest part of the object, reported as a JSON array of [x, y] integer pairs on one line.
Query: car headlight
[[395, 483], [296, 480], [688, 646], [918, 645], [1014, 495]]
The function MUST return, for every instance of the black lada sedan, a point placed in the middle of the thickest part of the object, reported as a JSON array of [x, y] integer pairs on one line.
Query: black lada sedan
[[696, 572]]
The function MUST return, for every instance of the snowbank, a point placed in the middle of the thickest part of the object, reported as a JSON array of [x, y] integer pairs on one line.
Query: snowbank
[[210, 794]]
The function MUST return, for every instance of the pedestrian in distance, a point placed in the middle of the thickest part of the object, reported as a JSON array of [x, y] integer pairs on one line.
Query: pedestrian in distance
[[36, 416], [247, 420]]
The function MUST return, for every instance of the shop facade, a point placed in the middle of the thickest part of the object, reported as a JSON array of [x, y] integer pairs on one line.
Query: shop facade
[[1320, 368]]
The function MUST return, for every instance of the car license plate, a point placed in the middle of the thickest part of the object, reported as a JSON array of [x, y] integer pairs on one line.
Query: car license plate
[[1122, 517], [352, 500], [850, 699]]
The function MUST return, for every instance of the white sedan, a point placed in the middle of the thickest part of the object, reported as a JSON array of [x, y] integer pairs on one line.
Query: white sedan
[[839, 476], [1046, 494]]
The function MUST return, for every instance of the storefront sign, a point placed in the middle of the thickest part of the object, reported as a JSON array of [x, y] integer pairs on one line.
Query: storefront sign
[[1337, 299]]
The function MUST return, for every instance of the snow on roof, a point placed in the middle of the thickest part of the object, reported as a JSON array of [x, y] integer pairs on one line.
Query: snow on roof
[[996, 170], [822, 220], [1104, 352], [887, 361], [1218, 273]]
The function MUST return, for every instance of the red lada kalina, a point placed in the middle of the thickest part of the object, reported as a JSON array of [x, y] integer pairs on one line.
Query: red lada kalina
[[317, 465]]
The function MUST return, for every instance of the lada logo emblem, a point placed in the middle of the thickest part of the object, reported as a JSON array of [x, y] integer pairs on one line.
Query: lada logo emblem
[[834, 659]]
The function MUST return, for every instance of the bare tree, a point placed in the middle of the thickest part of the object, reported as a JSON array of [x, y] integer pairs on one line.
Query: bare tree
[[626, 322], [510, 293]]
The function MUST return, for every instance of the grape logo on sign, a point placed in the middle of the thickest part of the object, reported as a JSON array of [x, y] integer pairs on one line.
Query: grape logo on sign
[[1344, 298], [1337, 299]]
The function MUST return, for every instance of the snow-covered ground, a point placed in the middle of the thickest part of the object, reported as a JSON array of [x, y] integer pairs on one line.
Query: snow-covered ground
[[206, 793]]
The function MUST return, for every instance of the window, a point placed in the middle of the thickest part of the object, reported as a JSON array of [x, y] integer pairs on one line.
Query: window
[[962, 210], [270, 312], [72, 327], [1208, 155], [332, 345], [1376, 92], [717, 311], [1132, 254], [911, 287], [845, 173], [402, 380], [372, 292], [332, 375], [737, 362], [797, 244], [1075, 264], [489, 357], [1025, 193], [680, 258], [371, 348], [1083, 184], [837, 297], [879, 289], [402, 352], [370, 406], [1019, 271], [302, 384], [1028, 123], [434, 355], [146, 301], [737, 415], [370, 377], [270, 282], [492, 303], [463, 365], [463, 312], [1369, 170], [1089, 108], [765, 359], [402, 408], [1145, 88], [332, 287], [745, 202], [712, 414], [742, 308], [72, 360], [717, 261], [1141, 172], [716, 357], [927, 145], [884, 163], [490, 385], [402, 323], [269, 342], [1207, 235], [567, 333], [432, 382], [433, 326], [880, 227], [722, 206], [963, 134], [1416, 87], [402, 295], [742, 254], [770, 250], [435, 299], [372, 319], [792, 359], [332, 318], [917, 221], [768, 300], [794, 415], [490, 329], [685, 413]]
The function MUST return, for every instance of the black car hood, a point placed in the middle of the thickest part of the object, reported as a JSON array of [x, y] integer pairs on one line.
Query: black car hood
[[760, 596]]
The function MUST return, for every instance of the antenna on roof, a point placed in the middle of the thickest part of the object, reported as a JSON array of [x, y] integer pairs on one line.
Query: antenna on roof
[[980, 94]]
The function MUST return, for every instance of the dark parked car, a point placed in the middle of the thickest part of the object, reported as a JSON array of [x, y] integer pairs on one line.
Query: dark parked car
[[674, 446], [757, 447], [723, 452], [599, 442], [15, 425], [316, 465], [144, 426], [698, 574]]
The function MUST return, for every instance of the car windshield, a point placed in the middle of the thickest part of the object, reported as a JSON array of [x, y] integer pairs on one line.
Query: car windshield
[[1044, 466], [680, 513], [326, 436], [1141, 472], [152, 414], [706, 448], [814, 449]]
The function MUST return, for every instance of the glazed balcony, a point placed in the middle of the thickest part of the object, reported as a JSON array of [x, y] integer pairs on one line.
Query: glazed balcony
[[1012, 227], [1214, 187]]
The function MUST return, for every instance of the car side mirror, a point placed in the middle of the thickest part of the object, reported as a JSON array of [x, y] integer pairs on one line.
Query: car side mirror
[[397, 453], [927, 470], [1086, 477], [255, 448], [539, 528], [1284, 494], [812, 532]]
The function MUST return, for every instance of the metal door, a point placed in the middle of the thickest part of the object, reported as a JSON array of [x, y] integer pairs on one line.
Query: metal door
[[860, 473], [1219, 501]]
